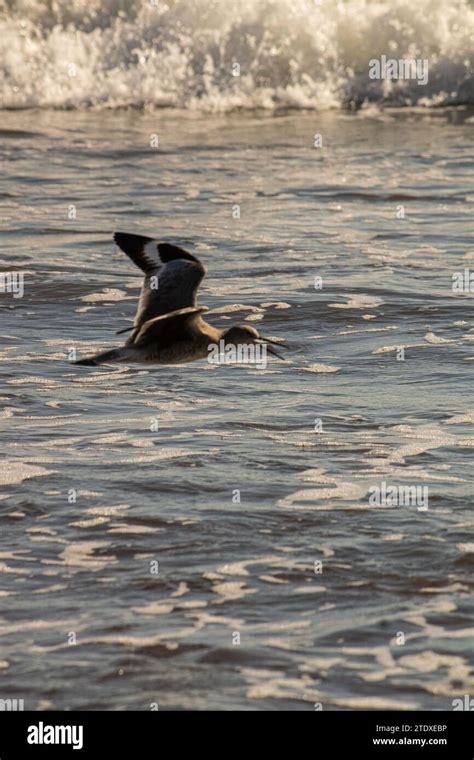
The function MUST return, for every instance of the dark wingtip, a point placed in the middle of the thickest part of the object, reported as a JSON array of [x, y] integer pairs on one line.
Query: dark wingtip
[[169, 252], [130, 240], [134, 246]]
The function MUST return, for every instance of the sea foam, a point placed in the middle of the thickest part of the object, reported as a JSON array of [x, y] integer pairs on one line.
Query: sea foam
[[217, 56]]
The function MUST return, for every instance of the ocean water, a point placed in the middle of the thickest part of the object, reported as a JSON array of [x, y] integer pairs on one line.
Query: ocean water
[[202, 537]]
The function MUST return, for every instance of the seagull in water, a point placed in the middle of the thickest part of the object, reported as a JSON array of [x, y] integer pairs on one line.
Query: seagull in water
[[168, 327]]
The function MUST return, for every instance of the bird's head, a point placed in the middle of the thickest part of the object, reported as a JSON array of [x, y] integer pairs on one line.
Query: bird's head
[[245, 335]]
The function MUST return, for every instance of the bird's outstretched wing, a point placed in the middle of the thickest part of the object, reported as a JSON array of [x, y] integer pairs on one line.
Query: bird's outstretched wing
[[172, 277]]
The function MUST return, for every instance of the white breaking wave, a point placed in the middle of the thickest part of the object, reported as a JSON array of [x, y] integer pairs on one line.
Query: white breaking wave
[[220, 55]]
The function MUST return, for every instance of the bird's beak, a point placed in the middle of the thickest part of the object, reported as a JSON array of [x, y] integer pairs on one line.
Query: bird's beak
[[271, 351]]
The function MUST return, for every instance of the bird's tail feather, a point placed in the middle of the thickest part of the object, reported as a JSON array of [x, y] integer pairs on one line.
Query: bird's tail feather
[[106, 357]]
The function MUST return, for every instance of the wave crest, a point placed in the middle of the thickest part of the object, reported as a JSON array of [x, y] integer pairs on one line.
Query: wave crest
[[215, 55]]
